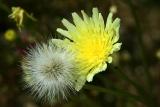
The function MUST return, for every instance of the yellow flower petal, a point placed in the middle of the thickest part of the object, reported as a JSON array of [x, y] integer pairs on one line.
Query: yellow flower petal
[[116, 47], [97, 69], [80, 82], [72, 30], [64, 32], [60, 43], [109, 59], [109, 21]]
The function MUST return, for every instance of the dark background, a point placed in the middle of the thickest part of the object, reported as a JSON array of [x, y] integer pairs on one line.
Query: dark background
[[135, 69]]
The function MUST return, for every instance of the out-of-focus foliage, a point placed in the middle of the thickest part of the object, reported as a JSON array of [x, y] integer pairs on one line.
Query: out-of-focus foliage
[[134, 84]]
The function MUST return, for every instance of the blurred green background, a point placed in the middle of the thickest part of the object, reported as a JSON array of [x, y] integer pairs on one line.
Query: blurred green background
[[132, 80]]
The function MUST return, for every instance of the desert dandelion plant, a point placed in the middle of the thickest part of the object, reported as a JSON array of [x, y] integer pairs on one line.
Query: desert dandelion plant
[[93, 43], [49, 72], [55, 69]]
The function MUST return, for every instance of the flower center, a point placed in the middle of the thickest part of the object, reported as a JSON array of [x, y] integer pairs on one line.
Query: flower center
[[91, 50]]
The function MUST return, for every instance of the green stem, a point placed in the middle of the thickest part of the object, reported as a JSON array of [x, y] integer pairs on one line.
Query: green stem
[[151, 101], [116, 92], [31, 17], [4, 7], [140, 43], [148, 99], [122, 75]]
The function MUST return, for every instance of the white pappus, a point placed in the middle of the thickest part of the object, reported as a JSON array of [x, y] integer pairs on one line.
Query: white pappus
[[49, 72]]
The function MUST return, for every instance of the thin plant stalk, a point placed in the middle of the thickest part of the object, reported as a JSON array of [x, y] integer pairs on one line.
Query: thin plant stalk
[[116, 92]]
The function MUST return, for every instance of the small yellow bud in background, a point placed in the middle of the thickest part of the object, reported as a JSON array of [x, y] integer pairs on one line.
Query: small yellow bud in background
[[125, 56], [113, 9], [158, 54], [10, 35], [116, 59]]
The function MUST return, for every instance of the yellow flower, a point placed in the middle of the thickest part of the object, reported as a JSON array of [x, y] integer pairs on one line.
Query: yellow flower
[[93, 43], [17, 15]]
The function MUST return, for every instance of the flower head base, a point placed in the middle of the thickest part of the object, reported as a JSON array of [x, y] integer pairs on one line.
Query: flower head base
[[49, 72], [93, 43]]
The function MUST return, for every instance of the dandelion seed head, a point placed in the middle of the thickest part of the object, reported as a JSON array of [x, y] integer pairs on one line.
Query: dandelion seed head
[[49, 72]]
